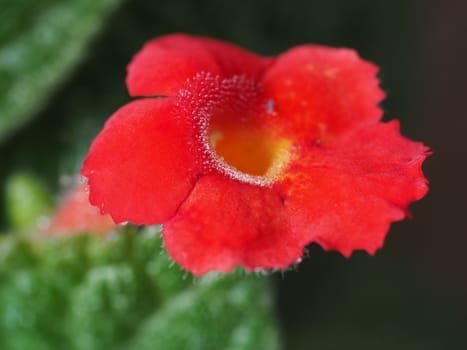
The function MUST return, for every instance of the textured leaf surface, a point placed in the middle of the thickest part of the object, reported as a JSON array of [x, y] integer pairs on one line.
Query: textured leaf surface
[[123, 292], [40, 41]]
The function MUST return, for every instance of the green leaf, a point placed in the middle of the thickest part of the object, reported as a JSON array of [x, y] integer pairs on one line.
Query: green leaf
[[40, 42], [123, 292]]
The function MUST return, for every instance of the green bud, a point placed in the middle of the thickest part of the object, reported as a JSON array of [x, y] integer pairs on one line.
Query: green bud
[[26, 201]]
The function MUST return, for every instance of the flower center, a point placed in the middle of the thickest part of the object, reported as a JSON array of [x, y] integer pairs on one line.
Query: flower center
[[249, 149]]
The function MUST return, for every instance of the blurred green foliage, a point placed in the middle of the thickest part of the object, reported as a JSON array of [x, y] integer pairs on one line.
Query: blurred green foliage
[[123, 292], [40, 42]]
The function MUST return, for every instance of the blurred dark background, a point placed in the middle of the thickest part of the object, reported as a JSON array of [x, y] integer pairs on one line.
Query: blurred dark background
[[413, 293]]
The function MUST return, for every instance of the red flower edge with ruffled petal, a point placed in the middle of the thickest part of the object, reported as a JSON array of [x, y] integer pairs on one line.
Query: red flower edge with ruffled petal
[[249, 159]]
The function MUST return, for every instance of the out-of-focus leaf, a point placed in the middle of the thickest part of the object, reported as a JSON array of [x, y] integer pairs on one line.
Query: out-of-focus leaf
[[26, 201], [40, 41], [124, 293]]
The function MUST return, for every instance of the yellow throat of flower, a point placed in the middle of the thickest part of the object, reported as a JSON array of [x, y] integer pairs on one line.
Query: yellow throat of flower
[[253, 152]]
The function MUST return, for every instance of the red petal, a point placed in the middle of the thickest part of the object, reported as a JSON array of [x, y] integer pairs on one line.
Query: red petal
[[323, 91], [143, 164], [346, 196], [224, 223], [77, 215], [164, 64]]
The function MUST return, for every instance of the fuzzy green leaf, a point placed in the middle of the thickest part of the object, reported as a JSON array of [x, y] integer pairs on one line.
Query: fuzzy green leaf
[[123, 292]]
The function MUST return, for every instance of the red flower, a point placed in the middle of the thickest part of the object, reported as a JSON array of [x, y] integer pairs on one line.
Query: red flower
[[76, 215], [247, 159]]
